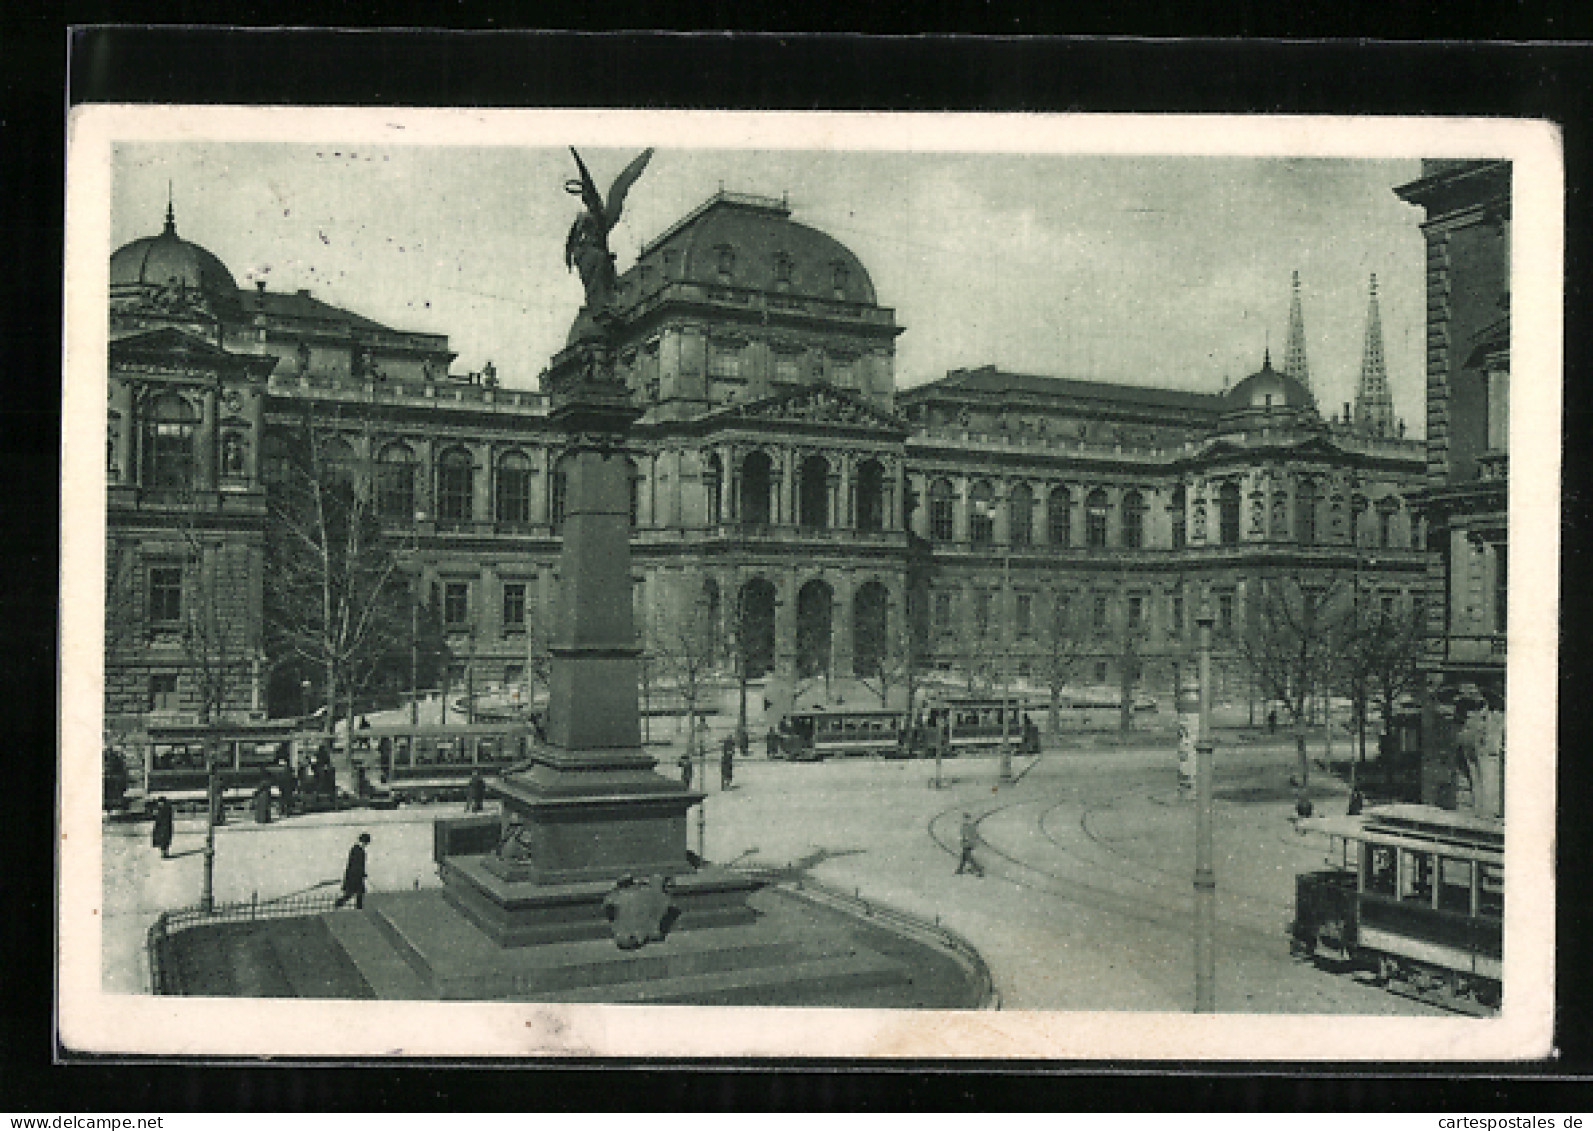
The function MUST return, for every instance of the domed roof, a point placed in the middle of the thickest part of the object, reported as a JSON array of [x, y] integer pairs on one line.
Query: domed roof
[[166, 259], [1267, 388], [750, 241]]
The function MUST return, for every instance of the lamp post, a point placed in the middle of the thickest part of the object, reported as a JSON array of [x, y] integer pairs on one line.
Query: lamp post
[[1006, 709], [212, 805], [1205, 870]]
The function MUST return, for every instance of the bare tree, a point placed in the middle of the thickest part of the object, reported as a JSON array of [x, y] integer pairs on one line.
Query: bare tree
[[683, 648], [1063, 645], [1378, 663], [334, 593], [891, 656], [1289, 641]]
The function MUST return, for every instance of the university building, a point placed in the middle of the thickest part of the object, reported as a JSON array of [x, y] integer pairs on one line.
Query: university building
[[785, 490]]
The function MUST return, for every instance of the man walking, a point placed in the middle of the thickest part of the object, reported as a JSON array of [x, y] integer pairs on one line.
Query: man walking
[[970, 839], [727, 762], [354, 874]]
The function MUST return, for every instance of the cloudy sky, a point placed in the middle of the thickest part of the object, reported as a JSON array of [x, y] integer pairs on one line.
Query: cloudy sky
[[1168, 271]]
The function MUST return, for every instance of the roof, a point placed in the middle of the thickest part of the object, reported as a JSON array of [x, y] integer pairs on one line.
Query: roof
[[1268, 388], [302, 306], [751, 241], [990, 380], [169, 259]]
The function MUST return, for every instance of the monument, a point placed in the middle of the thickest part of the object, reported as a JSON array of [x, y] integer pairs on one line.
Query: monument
[[587, 808]]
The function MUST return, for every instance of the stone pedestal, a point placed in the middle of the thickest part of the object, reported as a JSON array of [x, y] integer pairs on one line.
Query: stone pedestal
[[588, 807]]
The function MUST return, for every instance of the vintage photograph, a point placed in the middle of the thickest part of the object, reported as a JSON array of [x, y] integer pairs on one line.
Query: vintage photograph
[[951, 586]]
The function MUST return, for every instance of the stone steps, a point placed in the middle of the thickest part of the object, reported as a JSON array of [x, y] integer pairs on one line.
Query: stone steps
[[383, 967]]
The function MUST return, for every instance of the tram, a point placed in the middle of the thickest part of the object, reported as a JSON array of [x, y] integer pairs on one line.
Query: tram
[[174, 756], [812, 736], [428, 762], [1417, 897], [976, 725]]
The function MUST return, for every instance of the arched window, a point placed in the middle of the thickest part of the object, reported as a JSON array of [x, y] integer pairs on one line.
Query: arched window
[[339, 465], [813, 492], [1133, 520], [1305, 512], [982, 514], [513, 501], [1095, 512], [1059, 517], [1020, 515], [1228, 513], [1178, 512], [395, 483], [455, 487], [713, 486], [870, 495], [633, 482], [1386, 509], [942, 512], [169, 445], [756, 472]]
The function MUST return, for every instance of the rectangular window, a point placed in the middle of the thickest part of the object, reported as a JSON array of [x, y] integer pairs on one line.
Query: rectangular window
[[1024, 614], [1175, 626], [1225, 612], [788, 367], [456, 603], [165, 595], [982, 612], [1385, 528], [942, 525], [1101, 615], [942, 612], [163, 692], [724, 361], [1387, 606], [1136, 613], [513, 675], [1501, 586], [514, 606]]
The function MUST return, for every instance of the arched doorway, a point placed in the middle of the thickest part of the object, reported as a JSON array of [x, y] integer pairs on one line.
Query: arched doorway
[[813, 493], [813, 629], [756, 628], [870, 629], [870, 495], [755, 474]]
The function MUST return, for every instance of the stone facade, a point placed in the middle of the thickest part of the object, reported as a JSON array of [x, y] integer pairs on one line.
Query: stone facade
[[781, 484]]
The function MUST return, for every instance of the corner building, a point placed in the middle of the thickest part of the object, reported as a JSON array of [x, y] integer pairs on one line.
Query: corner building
[[781, 482]]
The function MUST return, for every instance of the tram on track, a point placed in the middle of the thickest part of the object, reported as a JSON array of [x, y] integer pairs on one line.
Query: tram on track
[[1417, 897], [174, 756], [425, 763], [973, 724]]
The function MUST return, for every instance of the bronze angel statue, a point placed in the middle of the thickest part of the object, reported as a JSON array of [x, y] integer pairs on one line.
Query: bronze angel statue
[[586, 249]]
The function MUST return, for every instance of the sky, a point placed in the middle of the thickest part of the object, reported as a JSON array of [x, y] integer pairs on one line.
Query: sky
[[1168, 271]]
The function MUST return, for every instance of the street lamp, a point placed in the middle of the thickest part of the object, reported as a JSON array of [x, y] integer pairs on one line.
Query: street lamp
[[1205, 871]]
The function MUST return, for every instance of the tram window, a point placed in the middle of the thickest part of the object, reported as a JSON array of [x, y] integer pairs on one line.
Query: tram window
[[1380, 870], [1491, 890], [425, 752], [1418, 877], [1454, 885], [401, 750]]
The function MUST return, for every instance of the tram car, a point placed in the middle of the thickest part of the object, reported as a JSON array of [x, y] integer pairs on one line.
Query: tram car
[[174, 763], [976, 725], [812, 736], [1417, 897], [430, 763]]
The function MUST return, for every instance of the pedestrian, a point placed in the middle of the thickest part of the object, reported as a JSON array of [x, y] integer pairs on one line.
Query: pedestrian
[[1357, 801], [743, 741], [1272, 721], [476, 793], [288, 788], [261, 801], [727, 762], [970, 840], [354, 874], [684, 762], [771, 743], [161, 836]]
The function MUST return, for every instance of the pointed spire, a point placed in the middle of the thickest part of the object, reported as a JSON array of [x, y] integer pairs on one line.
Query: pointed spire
[[1374, 405], [171, 215], [1294, 363]]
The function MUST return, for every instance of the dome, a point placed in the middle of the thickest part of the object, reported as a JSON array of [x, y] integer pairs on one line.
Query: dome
[[750, 241], [1267, 388], [167, 258]]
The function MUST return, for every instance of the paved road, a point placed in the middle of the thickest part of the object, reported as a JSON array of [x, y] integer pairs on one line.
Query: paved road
[[1086, 904]]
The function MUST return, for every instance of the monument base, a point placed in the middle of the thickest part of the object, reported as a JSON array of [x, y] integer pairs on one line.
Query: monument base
[[520, 912]]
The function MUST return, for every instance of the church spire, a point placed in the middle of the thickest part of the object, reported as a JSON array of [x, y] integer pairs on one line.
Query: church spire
[[1374, 406], [1294, 363]]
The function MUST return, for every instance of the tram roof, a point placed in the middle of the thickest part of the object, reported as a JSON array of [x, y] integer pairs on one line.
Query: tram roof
[[1468, 837]]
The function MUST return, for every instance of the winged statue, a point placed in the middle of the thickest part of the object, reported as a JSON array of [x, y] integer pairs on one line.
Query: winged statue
[[586, 248]]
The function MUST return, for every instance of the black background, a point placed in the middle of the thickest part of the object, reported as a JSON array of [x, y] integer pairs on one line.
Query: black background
[[47, 66]]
